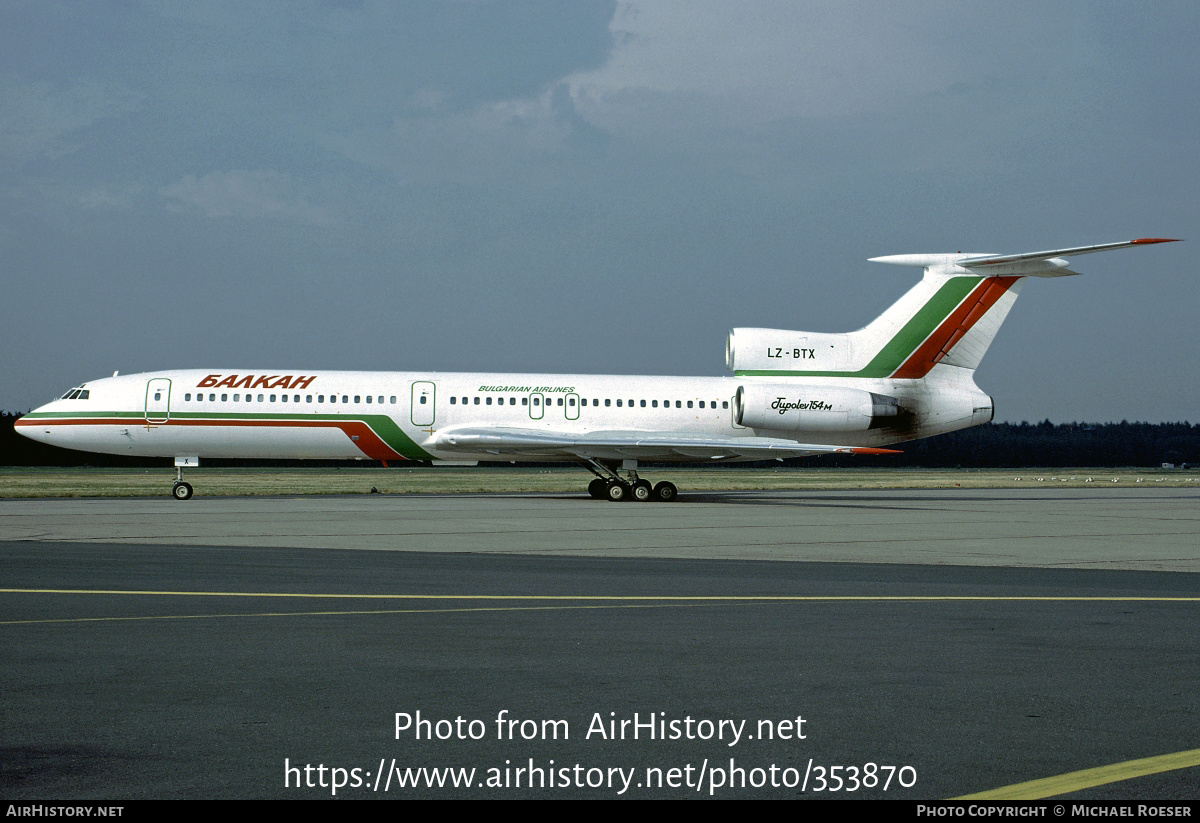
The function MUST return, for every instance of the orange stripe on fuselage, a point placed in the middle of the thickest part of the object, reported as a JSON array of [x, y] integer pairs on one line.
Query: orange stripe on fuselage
[[952, 329], [368, 442]]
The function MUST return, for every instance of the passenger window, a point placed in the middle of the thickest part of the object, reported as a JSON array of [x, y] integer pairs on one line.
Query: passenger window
[[272, 398], [320, 398], [356, 399], [689, 404], [618, 402], [224, 398], [571, 401], [158, 395], [369, 398], [607, 401], [283, 398], [392, 400], [307, 398], [488, 401], [537, 401], [724, 404], [187, 397], [560, 401], [346, 398], [260, 398], [512, 401], [642, 404], [524, 401], [678, 405], [701, 404], [477, 400], [452, 400]]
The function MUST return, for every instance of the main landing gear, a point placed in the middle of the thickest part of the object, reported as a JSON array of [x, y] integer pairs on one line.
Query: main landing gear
[[610, 485]]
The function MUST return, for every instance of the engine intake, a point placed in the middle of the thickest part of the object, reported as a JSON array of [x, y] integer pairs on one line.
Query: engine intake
[[783, 350]]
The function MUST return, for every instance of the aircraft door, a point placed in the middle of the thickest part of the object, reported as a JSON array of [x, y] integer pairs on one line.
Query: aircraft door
[[158, 400], [423, 409], [572, 407], [537, 406]]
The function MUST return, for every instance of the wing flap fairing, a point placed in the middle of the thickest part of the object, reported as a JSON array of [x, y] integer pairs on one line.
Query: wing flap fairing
[[635, 444]]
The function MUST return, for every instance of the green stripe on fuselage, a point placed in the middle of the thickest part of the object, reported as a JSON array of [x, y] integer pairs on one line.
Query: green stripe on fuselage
[[903, 344], [381, 424]]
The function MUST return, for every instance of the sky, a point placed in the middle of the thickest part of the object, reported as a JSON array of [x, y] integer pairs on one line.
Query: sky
[[590, 187]]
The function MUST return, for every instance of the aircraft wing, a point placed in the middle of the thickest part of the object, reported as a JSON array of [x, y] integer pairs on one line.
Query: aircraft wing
[[641, 445]]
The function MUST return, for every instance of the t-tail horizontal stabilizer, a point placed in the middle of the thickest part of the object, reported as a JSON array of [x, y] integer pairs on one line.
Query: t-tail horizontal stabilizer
[[1029, 264]]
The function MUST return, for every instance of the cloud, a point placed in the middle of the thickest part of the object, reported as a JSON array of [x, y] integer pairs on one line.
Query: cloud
[[244, 194], [737, 67], [120, 197], [40, 117]]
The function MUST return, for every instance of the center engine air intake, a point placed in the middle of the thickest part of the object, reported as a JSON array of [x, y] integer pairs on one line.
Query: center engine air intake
[[793, 407], [781, 349]]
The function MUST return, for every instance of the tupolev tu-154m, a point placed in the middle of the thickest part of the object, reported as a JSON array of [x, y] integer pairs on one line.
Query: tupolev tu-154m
[[906, 375]]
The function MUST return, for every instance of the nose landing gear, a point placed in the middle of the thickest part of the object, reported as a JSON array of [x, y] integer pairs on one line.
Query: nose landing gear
[[181, 490]]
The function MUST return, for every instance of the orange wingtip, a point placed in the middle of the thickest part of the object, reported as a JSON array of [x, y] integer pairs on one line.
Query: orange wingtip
[[1157, 240], [866, 450]]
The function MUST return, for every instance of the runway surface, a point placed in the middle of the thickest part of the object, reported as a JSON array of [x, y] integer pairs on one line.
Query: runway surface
[[216, 648], [1123, 529]]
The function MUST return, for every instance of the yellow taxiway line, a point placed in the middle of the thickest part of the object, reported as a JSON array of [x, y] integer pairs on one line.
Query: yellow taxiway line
[[1089, 778]]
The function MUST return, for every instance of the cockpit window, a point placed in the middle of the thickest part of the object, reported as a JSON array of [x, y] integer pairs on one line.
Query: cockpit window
[[77, 393]]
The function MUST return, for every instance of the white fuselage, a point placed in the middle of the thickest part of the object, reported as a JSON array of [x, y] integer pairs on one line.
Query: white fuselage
[[408, 415]]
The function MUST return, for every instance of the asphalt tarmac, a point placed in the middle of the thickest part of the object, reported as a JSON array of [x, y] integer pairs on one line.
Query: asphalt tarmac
[[941, 643]]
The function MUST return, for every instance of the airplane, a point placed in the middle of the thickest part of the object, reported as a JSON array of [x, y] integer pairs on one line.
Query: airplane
[[906, 375]]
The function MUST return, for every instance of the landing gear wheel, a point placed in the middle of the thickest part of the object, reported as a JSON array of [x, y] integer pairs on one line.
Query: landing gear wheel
[[642, 491], [617, 492], [182, 491], [665, 491], [597, 488]]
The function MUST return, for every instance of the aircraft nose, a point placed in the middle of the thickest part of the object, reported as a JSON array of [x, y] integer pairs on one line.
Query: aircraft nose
[[27, 426]]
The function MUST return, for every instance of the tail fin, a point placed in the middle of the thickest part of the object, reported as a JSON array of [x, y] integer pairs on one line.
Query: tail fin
[[949, 318], [946, 318]]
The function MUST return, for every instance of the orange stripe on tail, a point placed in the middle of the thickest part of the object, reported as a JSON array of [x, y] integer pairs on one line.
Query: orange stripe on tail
[[954, 327]]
